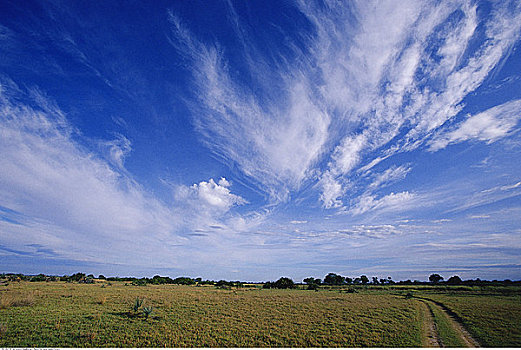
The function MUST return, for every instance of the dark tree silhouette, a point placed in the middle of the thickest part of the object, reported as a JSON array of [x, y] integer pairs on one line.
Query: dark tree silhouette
[[284, 283], [435, 278], [454, 280], [333, 279], [281, 283]]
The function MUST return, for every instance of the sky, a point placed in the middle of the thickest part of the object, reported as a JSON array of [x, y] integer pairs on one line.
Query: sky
[[249, 140]]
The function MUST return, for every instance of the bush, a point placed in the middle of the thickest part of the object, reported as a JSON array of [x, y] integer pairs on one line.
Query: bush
[[147, 310], [38, 278], [140, 282], [281, 283], [137, 304], [183, 281], [312, 286]]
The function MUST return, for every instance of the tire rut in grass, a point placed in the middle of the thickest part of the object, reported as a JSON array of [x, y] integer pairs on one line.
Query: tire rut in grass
[[455, 322], [432, 339]]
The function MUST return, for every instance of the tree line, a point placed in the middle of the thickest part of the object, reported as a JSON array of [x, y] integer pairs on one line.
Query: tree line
[[331, 279]]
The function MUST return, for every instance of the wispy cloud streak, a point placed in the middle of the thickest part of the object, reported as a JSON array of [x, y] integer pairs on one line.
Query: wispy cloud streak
[[376, 80]]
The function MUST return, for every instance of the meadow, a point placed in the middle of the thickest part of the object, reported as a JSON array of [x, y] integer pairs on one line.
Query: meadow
[[60, 314], [492, 316]]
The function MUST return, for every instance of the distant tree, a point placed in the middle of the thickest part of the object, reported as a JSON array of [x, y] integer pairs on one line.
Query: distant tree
[[281, 283], [207, 282], [375, 280], [348, 280], [38, 278], [101, 277], [139, 282], [383, 281], [77, 277], [183, 280], [435, 278], [224, 284], [454, 280], [160, 280], [364, 279], [333, 279], [309, 280], [267, 285], [284, 283], [357, 280], [312, 283]]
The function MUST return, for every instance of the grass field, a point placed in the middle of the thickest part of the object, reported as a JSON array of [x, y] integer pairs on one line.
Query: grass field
[[59, 314], [493, 318]]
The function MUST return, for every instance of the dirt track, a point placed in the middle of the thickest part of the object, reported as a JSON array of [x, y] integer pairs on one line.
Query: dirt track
[[431, 335]]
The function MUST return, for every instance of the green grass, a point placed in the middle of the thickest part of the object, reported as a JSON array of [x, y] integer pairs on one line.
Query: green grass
[[448, 335], [492, 317], [58, 314], [74, 315]]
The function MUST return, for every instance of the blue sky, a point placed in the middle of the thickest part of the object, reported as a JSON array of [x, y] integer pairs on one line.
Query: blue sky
[[252, 140]]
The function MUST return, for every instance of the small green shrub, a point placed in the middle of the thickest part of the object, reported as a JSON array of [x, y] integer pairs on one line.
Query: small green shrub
[[141, 282], [137, 304], [147, 310]]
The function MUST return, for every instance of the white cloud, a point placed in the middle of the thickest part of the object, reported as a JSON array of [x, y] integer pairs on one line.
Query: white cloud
[[390, 202], [440, 221], [274, 143], [383, 78], [488, 196], [510, 187], [331, 191], [487, 126], [479, 216], [390, 175], [372, 231], [209, 196], [361, 88], [117, 150], [347, 155], [68, 197], [298, 222]]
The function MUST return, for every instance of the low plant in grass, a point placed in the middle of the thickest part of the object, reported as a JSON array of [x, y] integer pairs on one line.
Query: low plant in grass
[[137, 304], [147, 311], [409, 295]]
